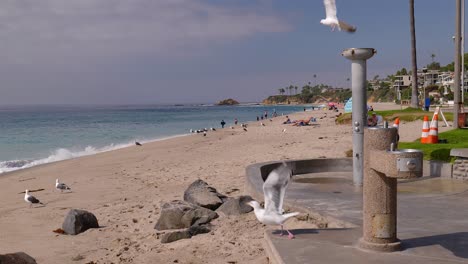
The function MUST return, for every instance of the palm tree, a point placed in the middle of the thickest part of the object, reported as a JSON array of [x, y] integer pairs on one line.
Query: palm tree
[[432, 57], [295, 88], [414, 77]]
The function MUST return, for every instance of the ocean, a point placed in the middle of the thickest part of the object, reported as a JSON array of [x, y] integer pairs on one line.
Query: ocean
[[34, 135]]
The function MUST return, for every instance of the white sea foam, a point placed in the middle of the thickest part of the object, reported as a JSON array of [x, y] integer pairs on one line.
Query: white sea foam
[[64, 154]]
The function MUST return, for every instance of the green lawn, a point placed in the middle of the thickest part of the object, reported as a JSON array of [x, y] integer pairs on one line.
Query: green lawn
[[457, 138], [408, 114]]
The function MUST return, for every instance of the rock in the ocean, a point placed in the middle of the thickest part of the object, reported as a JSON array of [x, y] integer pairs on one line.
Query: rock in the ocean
[[77, 221], [236, 206], [17, 258], [181, 214], [201, 194]]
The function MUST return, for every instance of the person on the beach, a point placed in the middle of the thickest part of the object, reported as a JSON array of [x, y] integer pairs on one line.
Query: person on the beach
[[258, 118], [372, 121], [266, 114], [288, 121], [222, 123], [235, 121]]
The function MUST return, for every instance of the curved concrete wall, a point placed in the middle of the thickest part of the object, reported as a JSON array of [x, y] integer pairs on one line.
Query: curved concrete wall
[[258, 172]]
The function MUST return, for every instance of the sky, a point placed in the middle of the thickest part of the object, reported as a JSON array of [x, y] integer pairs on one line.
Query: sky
[[202, 51]]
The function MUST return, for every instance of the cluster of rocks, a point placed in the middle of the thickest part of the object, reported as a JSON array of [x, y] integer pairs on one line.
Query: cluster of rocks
[[188, 218], [201, 204]]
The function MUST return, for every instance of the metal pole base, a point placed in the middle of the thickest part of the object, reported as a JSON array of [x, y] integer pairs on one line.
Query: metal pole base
[[380, 247]]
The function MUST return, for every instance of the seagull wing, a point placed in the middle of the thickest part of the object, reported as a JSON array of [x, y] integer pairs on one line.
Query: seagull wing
[[62, 186], [33, 199], [332, 19], [346, 27], [274, 188], [330, 9]]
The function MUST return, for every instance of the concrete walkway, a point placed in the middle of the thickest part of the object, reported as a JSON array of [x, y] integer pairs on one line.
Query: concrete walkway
[[432, 221]]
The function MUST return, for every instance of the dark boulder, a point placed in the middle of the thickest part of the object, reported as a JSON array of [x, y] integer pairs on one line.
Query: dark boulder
[[176, 235], [236, 206], [77, 221], [184, 234], [180, 214], [201, 194], [198, 229], [17, 258]]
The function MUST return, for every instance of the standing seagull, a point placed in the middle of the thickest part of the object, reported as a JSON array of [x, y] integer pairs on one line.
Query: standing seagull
[[61, 186], [332, 20], [31, 199], [274, 189]]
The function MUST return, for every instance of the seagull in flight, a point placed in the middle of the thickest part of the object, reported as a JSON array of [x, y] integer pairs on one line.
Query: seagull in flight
[[274, 189], [61, 186], [31, 199], [332, 20]]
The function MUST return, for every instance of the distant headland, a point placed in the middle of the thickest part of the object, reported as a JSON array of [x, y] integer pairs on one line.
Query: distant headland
[[229, 101]]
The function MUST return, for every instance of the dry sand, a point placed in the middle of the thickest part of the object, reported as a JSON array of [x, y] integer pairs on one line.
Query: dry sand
[[125, 189]]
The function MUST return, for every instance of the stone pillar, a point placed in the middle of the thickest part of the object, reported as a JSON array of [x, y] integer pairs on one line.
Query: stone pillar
[[383, 165], [379, 195]]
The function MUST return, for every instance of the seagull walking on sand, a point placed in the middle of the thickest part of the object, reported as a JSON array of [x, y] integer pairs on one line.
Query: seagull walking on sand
[[274, 189], [31, 199], [332, 20], [61, 186]]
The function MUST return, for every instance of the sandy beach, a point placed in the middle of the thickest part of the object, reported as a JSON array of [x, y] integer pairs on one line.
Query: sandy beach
[[126, 188]]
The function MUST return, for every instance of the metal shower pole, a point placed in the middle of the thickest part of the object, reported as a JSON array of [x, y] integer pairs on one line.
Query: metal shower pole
[[358, 57], [456, 86]]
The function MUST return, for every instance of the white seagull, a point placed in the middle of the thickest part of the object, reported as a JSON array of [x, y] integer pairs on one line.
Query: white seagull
[[332, 20], [274, 189], [61, 186], [31, 199]]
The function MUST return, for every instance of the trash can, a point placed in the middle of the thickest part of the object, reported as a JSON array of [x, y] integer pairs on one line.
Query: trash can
[[427, 103], [462, 120]]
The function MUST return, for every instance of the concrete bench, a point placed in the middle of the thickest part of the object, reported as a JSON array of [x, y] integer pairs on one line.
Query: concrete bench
[[460, 166]]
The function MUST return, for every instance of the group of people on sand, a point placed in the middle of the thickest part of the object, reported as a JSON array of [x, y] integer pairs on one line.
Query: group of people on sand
[[300, 122]]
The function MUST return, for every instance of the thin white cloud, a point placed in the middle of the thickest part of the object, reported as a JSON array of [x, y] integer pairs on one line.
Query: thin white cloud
[[57, 30]]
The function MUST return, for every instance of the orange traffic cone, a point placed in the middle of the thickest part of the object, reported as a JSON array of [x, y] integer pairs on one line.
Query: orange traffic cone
[[425, 130], [396, 123], [433, 137]]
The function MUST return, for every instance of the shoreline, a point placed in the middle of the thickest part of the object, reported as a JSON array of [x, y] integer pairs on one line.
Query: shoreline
[[56, 153], [117, 147]]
